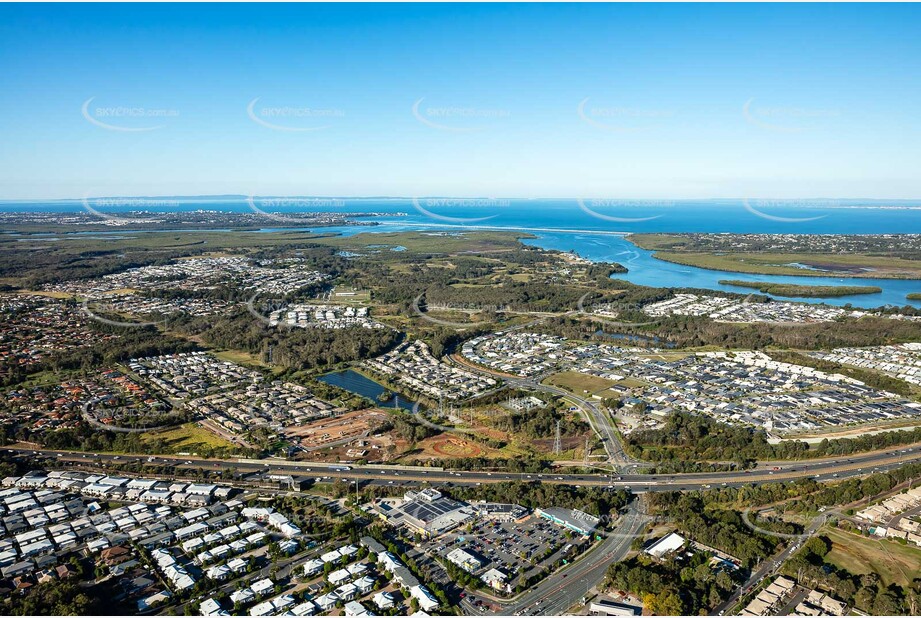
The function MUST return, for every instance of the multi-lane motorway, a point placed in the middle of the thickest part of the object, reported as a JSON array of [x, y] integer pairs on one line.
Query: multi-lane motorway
[[563, 589], [821, 469]]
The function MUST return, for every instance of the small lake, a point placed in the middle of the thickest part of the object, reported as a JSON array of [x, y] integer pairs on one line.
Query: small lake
[[637, 339], [354, 382]]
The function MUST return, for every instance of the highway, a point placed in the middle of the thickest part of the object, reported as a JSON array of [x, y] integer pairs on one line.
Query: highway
[[562, 589], [822, 470]]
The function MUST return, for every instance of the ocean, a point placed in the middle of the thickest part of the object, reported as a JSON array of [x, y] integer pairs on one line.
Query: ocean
[[594, 229]]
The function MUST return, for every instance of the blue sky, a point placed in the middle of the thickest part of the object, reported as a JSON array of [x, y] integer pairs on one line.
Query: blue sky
[[638, 101]]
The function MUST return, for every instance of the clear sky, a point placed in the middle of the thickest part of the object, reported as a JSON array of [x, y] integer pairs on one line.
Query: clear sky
[[639, 101]]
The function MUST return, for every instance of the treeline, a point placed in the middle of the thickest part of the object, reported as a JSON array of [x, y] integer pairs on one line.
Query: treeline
[[692, 437], [871, 378], [697, 438], [84, 437], [807, 495], [539, 423], [596, 501], [696, 331], [290, 348], [722, 529], [513, 464], [672, 588], [120, 344], [805, 291], [866, 592]]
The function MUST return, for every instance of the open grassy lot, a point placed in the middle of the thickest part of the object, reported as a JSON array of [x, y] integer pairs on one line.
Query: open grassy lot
[[578, 383], [188, 438], [239, 357], [894, 562]]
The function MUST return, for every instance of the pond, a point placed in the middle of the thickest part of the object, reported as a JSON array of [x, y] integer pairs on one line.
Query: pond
[[354, 382]]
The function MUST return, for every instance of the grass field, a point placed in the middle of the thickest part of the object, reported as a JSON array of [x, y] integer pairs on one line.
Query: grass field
[[578, 383], [188, 438], [239, 357], [895, 563]]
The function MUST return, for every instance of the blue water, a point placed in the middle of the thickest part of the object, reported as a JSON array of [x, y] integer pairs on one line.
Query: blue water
[[354, 382], [566, 225]]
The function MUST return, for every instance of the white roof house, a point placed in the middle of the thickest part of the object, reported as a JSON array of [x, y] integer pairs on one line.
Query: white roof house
[[383, 600], [427, 601]]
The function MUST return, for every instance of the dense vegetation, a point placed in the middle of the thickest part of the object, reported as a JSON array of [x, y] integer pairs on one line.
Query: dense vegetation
[[126, 344], [699, 331], [690, 437], [722, 529], [672, 588], [540, 423], [290, 348], [865, 592], [679, 586], [63, 597], [593, 500], [875, 379], [804, 291]]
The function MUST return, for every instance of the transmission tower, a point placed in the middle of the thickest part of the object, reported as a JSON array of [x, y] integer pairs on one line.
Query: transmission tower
[[557, 440]]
